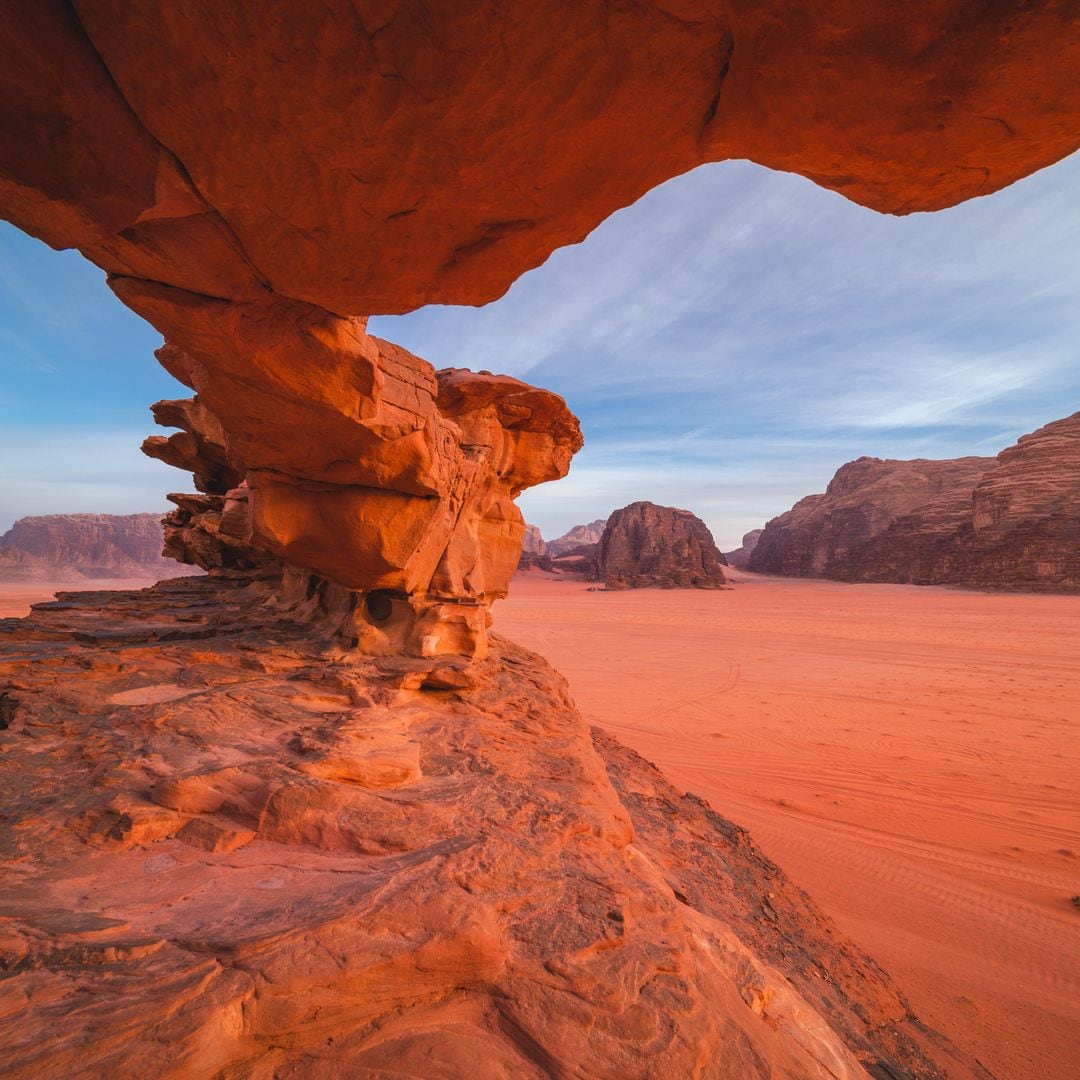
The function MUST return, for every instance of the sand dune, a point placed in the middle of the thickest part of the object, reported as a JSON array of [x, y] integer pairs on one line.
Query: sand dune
[[909, 755]]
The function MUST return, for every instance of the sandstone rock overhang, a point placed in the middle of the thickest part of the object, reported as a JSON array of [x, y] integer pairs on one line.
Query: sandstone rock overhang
[[372, 158]]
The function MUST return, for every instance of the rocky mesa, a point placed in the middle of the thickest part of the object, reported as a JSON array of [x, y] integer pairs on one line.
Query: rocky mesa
[[1010, 522], [650, 546], [74, 547]]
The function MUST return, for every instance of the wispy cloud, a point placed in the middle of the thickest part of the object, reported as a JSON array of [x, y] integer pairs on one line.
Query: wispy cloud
[[739, 332], [728, 342]]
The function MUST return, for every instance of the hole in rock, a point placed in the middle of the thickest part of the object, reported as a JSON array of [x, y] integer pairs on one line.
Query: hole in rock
[[7, 711], [379, 605]]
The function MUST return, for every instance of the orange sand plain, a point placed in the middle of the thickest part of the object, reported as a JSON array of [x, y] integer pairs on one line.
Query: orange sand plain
[[908, 755]]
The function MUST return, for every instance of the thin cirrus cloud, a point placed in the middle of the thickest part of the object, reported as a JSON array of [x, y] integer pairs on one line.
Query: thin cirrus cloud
[[728, 341], [736, 335]]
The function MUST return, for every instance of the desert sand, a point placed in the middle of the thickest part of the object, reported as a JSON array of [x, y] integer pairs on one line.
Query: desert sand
[[906, 754]]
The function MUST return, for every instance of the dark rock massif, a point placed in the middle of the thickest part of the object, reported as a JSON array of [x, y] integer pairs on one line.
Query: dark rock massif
[[70, 547], [821, 535], [1010, 522], [232, 852], [650, 546]]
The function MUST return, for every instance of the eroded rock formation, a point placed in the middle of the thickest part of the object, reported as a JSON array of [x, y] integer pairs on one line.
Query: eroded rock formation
[[462, 882], [257, 183], [399, 513], [372, 159], [234, 852], [1011, 522], [70, 547], [650, 546]]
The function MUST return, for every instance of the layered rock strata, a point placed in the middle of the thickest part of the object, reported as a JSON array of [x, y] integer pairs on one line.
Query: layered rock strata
[[368, 159], [254, 184], [650, 546], [301, 865], [1011, 522], [403, 520], [71, 547]]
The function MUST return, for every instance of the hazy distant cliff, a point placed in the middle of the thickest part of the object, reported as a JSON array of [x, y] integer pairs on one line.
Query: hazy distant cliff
[[71, 547]]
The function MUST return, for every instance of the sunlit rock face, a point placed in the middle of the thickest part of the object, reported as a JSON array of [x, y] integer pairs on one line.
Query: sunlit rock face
[[382, 485], [236, 854], [265, 854], [371, 157]]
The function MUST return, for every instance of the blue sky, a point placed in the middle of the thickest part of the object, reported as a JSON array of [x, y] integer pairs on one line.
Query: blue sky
[[728, 342]]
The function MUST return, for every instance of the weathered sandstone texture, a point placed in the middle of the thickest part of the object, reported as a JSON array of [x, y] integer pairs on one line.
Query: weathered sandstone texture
[[370, 158], [650, 546], [71, 547], [401, 510], [239, 853], [230, 851], [578, 537], [1009, 523], [740, 557]]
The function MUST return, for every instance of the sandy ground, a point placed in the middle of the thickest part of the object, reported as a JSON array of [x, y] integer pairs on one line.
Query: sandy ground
[[16, 597], [908, 755]]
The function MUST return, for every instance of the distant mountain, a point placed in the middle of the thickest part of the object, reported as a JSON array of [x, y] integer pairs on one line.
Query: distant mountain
[[75, 547], [578, 536], [1007, 522], [740, 557]]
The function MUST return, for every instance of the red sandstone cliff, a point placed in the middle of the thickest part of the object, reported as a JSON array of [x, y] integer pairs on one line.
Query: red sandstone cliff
[[1007, 522], [70, 547], [650, 546]]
